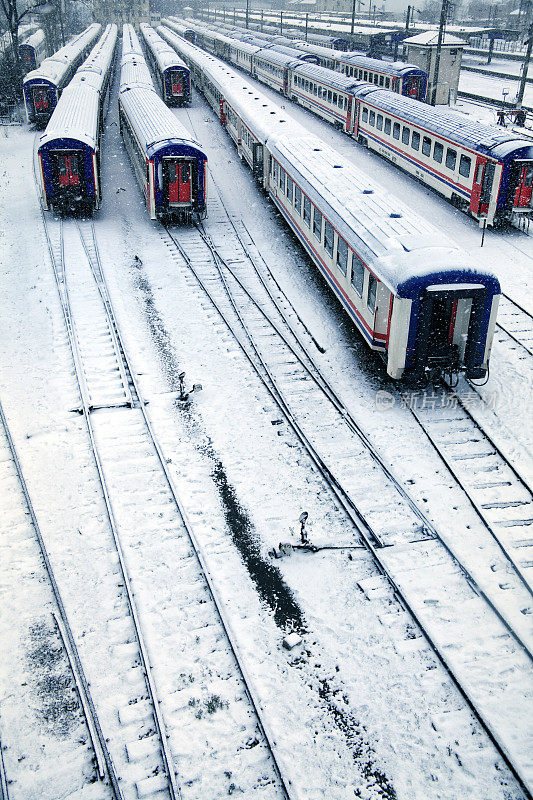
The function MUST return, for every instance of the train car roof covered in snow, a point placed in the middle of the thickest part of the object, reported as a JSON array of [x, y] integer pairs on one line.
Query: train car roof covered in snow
[[444, 122], [134, 72], [165, 56], [101, 55], [154, 123], [74, 118], [130, 41], [388, 67], [275, 57], [337, 80], [52, 69], [401, 247], [35, 39]]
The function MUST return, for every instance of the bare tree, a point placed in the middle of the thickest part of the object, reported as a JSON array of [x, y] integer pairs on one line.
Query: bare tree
[[14, 12]]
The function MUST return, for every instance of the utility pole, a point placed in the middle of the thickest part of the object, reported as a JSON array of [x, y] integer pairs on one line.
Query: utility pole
[[525, 65], [281, 23], [307, 23], [407, 19], [247, 7], [353, 17], [443, 16]]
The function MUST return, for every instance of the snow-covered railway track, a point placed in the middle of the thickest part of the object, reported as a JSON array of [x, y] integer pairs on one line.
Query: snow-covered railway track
[[405, 545], [516, 322], [82, 757], [502, 498], [174, 627]]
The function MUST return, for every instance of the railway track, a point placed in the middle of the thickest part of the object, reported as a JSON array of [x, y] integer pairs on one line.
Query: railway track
[[226, 269], [170, 625], [24, 550], [516, 322]]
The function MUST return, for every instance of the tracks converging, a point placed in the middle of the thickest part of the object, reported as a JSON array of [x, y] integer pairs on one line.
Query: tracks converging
[[228, 269], [151, 726]]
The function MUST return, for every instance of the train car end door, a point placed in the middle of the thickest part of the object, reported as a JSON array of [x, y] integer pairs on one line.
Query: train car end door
[[524, 188], [179, 182], [67, 170]]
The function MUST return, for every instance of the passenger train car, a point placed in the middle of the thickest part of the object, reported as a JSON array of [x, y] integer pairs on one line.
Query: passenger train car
[[32, 51], [42, 87], [171, 72], [484, 170], [169, 164], [69, 149], [415, 297]]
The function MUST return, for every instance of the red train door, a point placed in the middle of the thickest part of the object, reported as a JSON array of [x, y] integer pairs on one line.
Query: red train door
[[522, 198], [179, 182], [176, 84], [482, 186], [412, 87], [41, 99], [68, 170]]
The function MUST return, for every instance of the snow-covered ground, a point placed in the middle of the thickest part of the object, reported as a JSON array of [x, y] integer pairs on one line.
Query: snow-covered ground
[[362, 708]]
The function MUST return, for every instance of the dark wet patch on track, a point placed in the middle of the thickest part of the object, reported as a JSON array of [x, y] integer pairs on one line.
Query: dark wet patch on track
[[58, 704]]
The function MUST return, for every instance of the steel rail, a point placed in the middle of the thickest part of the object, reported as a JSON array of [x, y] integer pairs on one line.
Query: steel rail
[[513, 336], [368, 538], [354, 427], [174, 790], [4, 792], [98, 740], [252, 693]]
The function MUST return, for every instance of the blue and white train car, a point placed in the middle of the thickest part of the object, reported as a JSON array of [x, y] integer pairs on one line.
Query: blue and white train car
[[169, 164], [42, 87], [69, 149], [32, 51], [171, 72], [484, 169], [415, 297]]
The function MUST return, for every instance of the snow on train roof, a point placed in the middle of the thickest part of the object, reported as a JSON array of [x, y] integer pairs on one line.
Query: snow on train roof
[[153, 122], [101, 55], [35, 39], [337, 80], [75, 117], [165, 56], [441, 120], [130, 41], [52, 69], [275, 57], [389, 67], [401, 246], [134, 72]]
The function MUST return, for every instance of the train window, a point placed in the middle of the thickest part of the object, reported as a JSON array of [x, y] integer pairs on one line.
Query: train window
[[379, 122], [528, 180], [297, 199], [387, 83], [366, 75], [479, 173], [282, 178], [451, 158], [406, 135], [289, 188], [329, 236], [381, 80], [376, 79], [372, 287], [415, 141], [342, 255], [334, 98], [426, 146], [315, 89], [317, 224], [274, 165], [307, 211], [438, 151], [330, 94], [464, 166], [372, 117], [358, 274], [365, 114], [388, 125], [396, 130]]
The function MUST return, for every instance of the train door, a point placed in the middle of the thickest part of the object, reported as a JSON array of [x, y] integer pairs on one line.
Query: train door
[[285, 81], [179, 178], [257, 158], [524, 186], [349, 114], [176, 84], [482, 186], [68, 170], [412, 86], [41, 99]]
